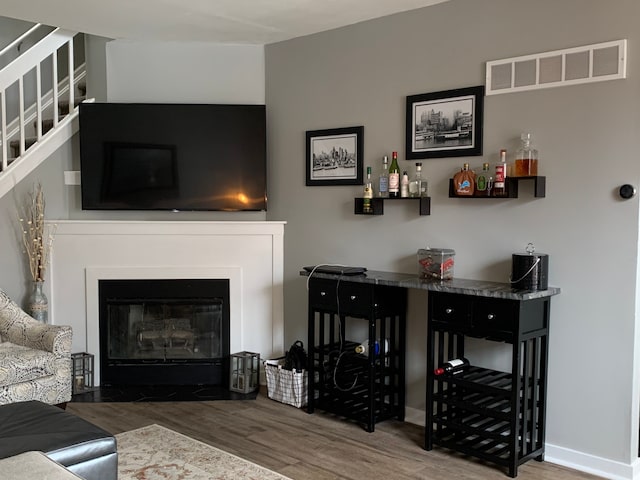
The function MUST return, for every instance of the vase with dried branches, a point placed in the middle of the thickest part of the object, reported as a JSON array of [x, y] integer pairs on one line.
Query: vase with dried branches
[[37, 240]]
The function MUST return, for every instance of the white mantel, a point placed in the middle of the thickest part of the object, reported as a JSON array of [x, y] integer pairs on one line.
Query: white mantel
[[249, 254]]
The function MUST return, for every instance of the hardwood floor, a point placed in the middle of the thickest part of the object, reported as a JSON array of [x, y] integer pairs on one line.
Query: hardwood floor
[[302, 446]]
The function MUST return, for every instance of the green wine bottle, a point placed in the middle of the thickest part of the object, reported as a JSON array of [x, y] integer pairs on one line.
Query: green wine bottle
[[394, 177]]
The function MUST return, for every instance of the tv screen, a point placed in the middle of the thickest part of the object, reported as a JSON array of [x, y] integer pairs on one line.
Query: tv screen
[[136, 156]]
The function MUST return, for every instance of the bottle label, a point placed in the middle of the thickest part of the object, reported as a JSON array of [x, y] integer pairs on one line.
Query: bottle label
[[456, 362], [394, 182], [384, 185], [481, 183], [464, 183], [404, 186], [500, 174]]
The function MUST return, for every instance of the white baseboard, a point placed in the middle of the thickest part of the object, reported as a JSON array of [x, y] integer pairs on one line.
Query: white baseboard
[[566, 457], [585, 462]]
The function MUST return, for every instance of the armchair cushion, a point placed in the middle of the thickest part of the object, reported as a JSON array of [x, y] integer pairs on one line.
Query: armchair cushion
[[21, 364]]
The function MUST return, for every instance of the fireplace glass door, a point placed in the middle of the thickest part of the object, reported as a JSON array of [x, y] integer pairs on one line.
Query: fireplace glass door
[[164, 329], [164, 332]]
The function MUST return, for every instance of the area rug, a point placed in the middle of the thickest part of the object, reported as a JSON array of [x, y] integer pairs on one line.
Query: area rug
[[157, 453]]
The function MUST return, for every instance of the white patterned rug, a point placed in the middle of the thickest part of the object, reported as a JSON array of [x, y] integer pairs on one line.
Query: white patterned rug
[[157, 453]]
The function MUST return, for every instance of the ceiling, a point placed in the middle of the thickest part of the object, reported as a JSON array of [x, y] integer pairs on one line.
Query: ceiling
[[221, 21]]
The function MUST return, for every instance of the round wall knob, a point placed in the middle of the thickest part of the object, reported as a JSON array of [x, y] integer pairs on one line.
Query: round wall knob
[[627, 191]]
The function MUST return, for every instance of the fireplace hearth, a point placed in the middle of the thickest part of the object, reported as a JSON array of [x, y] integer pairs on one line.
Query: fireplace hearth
[[164, 331]]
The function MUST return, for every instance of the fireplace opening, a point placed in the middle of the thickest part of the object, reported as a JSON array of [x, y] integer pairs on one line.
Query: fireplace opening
[[164, 332]]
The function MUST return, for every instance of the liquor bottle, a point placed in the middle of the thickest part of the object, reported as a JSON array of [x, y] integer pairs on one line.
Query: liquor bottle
[[500, 179], [368, 193], [464, 182], [452, 367], [526, 158], [404, 185], [484, 182], [394, 176], [383, 180], [418, 186]]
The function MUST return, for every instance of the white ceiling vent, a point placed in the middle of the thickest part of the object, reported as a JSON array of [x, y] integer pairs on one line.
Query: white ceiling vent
[[571, 66]]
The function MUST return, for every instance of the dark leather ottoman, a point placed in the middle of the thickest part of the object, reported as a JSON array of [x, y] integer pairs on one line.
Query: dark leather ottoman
[[83, 448]]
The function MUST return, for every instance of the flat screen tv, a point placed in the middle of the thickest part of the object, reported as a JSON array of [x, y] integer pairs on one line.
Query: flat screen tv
[[147, 156]]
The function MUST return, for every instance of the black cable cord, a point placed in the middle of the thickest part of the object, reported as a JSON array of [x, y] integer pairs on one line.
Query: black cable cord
[[341, 350]]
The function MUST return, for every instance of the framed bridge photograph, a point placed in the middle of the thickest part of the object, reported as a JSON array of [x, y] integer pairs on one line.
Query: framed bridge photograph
[[445, 124], [334, 156]]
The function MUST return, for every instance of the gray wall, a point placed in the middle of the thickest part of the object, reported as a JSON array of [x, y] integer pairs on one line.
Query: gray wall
[[586, 134]]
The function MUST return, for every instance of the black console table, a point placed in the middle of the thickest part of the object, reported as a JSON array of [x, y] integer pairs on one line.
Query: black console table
[[497, 416], [493, 415], [369, 386]]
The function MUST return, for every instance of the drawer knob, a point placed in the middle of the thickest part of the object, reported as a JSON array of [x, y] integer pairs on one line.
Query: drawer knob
[[353, 297], [322, 294], [491, 316], [448, 310]]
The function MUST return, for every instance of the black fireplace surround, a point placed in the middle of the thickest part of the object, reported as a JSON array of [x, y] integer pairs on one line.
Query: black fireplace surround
[[164, 332]]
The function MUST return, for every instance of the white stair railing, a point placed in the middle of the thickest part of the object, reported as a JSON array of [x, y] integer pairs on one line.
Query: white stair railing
[[42, 54]]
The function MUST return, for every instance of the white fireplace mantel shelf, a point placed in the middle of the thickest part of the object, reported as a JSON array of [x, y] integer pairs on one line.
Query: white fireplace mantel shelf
[[249, 254]]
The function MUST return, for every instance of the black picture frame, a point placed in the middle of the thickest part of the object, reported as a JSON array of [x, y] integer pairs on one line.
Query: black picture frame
[[445, 124], [335, 156]]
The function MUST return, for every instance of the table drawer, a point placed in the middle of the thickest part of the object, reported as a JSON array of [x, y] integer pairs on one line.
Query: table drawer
[[323, 294], [491, 315], [354, 299], [451, 308]]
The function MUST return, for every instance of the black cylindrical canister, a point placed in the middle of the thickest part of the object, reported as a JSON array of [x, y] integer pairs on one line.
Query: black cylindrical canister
[[529, 271]]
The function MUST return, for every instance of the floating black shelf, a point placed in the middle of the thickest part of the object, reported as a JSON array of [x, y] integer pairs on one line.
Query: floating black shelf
[[539, 188], [377, 205]]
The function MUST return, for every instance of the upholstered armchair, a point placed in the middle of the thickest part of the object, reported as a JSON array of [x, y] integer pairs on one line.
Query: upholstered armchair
[[35, 358]]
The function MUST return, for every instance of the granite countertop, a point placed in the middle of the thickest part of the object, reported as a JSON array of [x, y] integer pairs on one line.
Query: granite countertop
[[479, 288]]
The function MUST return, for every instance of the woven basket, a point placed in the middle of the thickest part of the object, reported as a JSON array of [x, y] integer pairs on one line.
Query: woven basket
[[286, 386]]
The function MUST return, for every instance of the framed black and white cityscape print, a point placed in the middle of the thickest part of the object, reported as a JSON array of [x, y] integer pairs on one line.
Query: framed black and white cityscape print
[[445, 124], [334, 156]]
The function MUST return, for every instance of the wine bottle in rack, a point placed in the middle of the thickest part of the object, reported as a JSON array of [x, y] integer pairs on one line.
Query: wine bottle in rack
[[452, 367]]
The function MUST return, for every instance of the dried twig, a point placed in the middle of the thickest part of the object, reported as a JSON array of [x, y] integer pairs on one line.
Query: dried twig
[[37, 238]]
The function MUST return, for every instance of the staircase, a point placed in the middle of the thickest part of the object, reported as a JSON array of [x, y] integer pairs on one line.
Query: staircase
[[39, 94]]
